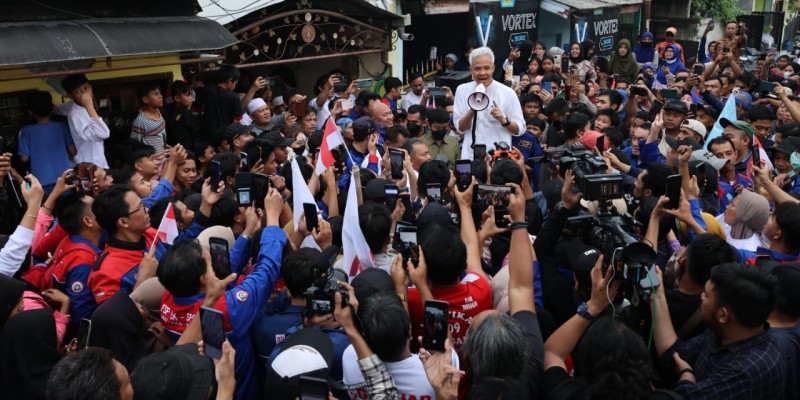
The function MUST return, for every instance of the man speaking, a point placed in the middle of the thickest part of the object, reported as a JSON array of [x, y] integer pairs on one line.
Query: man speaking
[[496, 123]]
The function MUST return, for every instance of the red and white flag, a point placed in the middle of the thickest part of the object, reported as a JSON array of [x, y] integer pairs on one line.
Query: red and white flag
[[168, 228], [331, 138], [357, 255]]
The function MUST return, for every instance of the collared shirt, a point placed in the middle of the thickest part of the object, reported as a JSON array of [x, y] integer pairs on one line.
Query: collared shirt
[[448, 146], [411, 99], [489, 130], [88, 133], [380, 383], [747, 369]]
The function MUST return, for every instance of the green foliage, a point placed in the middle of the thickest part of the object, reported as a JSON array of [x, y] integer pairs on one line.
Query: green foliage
[[722, 10]]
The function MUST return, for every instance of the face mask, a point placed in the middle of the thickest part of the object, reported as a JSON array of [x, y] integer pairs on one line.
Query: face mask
[[439, 135], [795, 160], [786, 75], [413, 128]]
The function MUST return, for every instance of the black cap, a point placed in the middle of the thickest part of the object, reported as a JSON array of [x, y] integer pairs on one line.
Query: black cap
[[177, 373], [790, 84], [375, 190], [787, 146], [363, 127], [276, 139], [581, 256], [236, 129], [433, 214], [677, 105], [687, 141], [399, 114], [371, 281]]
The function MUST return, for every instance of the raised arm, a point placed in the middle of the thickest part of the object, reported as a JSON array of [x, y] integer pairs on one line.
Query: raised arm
[[521, 257], [468, 233]]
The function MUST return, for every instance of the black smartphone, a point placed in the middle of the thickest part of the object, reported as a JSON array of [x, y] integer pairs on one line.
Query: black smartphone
[[698, 69], [259, 186], [396, 158], [639, 91], [726, 49], [84, 172], [244, 184], [244, 165], [212, 323], [564, 63], [491, 195], [601, 143], [342, 85], [220, 254], [406, 244], [435, 324], [673, 192], [215, 172], [693, 109], [390, 196], [500, 220], [766, 87], [434, 191], [479, 152], [463, 174], [671, 94], [655, 109], [312, 220], [756, 155], [313, 388], [84, 332]]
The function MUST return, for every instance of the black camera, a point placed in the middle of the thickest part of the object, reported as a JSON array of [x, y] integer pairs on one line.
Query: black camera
[[589, 171], [321, 297]]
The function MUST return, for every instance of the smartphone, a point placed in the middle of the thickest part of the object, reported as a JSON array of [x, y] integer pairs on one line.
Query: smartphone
[[639, 91], [601, 143], [84, 332], [490, 195], [673, 192], [756, 154], [772, 52], [711, 24], [215, 172], [220, 254], [347, 105], [434, 191], [671, 94], [244, 184], [396, 158], [698, 69], [313, 388], [364, 83], [693, 109], [670, 80], [390, 193], [436, 323], [500, 220], [463, 174], [766, 87], [726, 49], [479, 152], [547, 86], [244, 165], [406, 243], [342, 85], [312, 219], [557, 61], [213, 326], [656, 109], [84, 172], [259, 186], [298, 109], [432, 55]]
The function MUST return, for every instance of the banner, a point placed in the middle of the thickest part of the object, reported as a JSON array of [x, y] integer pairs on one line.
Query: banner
[[601, 26], [500, 27]]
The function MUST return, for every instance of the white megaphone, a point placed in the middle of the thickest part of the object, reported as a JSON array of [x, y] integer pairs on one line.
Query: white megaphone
[[478, 100]]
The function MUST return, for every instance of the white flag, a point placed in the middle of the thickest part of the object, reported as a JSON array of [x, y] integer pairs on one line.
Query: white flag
[[300, 194], [357, 255]]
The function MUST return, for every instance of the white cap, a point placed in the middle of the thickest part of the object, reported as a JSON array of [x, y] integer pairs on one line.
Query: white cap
[[696, 126], [298, 360], [277, 101], [255, 105]]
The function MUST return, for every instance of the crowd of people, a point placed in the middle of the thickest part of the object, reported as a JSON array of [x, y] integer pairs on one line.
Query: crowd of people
[[112, 285]]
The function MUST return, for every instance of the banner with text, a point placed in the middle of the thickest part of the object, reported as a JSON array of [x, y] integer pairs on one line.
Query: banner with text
[[601, 26], [500, 27]]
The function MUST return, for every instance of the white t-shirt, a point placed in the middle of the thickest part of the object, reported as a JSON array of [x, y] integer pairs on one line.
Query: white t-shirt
[[408, 375], [750, 244], [410, 99], [88, 133], [489, 129]]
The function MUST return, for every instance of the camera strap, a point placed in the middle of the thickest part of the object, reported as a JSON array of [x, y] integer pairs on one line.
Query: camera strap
[[474, 127]]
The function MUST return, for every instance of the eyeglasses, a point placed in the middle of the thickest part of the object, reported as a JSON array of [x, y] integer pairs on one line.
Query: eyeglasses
[[141, 207]]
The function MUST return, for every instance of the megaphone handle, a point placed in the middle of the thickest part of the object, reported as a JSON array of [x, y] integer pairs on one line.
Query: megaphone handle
[[474, 127]]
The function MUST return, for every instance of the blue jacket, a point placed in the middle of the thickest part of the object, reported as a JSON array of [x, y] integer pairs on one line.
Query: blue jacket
[[362, 160], [270, 328], [164, 189]]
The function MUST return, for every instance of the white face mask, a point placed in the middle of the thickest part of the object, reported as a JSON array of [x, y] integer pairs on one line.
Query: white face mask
[[786, 75]]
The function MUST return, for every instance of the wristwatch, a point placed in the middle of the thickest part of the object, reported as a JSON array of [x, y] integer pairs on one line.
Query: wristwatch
[[583, 311], [508, 122]]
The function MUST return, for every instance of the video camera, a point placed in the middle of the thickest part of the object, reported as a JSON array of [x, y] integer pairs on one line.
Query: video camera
[[503, 150], [321, 296], [589, 171]]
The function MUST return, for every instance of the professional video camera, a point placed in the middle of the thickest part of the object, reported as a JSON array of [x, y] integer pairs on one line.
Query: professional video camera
[[589, 171], [503, 150], [321, 297]]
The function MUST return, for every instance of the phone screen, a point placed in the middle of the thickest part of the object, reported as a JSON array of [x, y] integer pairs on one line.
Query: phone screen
[[390, 196], [312, 220], [396, 158], [491, 195], [312, 388], [547, 86], [463, 174], [406, 244], [215, 172], [244, 182], [479, 152], [298, 108], [434, 191], [601, 143], [673, 192], [220, 255], [698, 69], [85, 177], [213, 327], [84, 331], [756, 155], [500, 220], [435, 325]]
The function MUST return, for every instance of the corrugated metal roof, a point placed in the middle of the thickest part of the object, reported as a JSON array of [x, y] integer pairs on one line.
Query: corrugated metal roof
[[93, 38], [593, 4]]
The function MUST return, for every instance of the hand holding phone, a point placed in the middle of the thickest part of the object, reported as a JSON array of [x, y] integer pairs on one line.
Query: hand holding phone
[[212, 323], [396, 159], [436, 324], [312, 219], [673, 192], [463, 174]]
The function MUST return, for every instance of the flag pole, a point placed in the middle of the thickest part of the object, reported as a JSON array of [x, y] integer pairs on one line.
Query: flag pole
[[357, 181]]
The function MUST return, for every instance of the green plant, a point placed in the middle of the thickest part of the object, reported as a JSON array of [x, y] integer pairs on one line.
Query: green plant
[[721, 10]]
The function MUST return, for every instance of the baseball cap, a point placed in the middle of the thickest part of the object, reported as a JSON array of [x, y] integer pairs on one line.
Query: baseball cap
[[375, 190], [788, 83], [277, 101], [236, 129], [399, 114], [276, 139], [696, 126], [677, 105], [711, 111], [787, 146], [581, 257], [363, 127], [433, 214], [740, 125], [371, 281], [306, 352], [672, 30], [675, 143], [179, 372], [708, 157], [255, 104], [745, 100]]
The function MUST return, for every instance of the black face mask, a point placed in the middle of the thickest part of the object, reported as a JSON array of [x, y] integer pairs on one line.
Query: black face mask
[[439, 135], [413, 129]]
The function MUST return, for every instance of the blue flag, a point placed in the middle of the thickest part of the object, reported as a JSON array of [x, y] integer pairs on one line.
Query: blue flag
[[729, 112]]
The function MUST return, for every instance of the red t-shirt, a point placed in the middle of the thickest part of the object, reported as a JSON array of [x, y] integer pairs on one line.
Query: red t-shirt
[[466, 299]]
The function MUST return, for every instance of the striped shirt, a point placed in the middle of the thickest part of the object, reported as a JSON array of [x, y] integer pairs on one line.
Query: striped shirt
[[150, 131]]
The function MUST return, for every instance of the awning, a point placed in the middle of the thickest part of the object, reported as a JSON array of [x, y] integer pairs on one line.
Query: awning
[[562, 7], [53, 41]]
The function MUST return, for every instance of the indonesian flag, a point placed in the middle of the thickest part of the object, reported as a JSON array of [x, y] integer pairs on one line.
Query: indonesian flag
[[331, 138], [300, 193], [357, 255], [168, 228]]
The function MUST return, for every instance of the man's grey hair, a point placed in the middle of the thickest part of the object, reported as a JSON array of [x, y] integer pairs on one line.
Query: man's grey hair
[[409, 145], [496, 348], [481, 51]]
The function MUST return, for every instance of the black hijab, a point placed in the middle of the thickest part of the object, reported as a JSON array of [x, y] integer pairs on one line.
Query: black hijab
[[27, 354], [10, 292], [116, 325], [524, 59], [580, 57]]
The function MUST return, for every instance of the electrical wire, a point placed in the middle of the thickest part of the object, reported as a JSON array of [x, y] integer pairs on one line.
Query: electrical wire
[[608, 285], [59, 9]]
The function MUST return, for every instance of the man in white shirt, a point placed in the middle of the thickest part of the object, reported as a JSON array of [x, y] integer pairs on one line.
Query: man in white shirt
[[498, 122], [416, 95], [87, 128]]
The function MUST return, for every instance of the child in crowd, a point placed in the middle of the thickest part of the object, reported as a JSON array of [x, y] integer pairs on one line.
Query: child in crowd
[[149, 126]]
